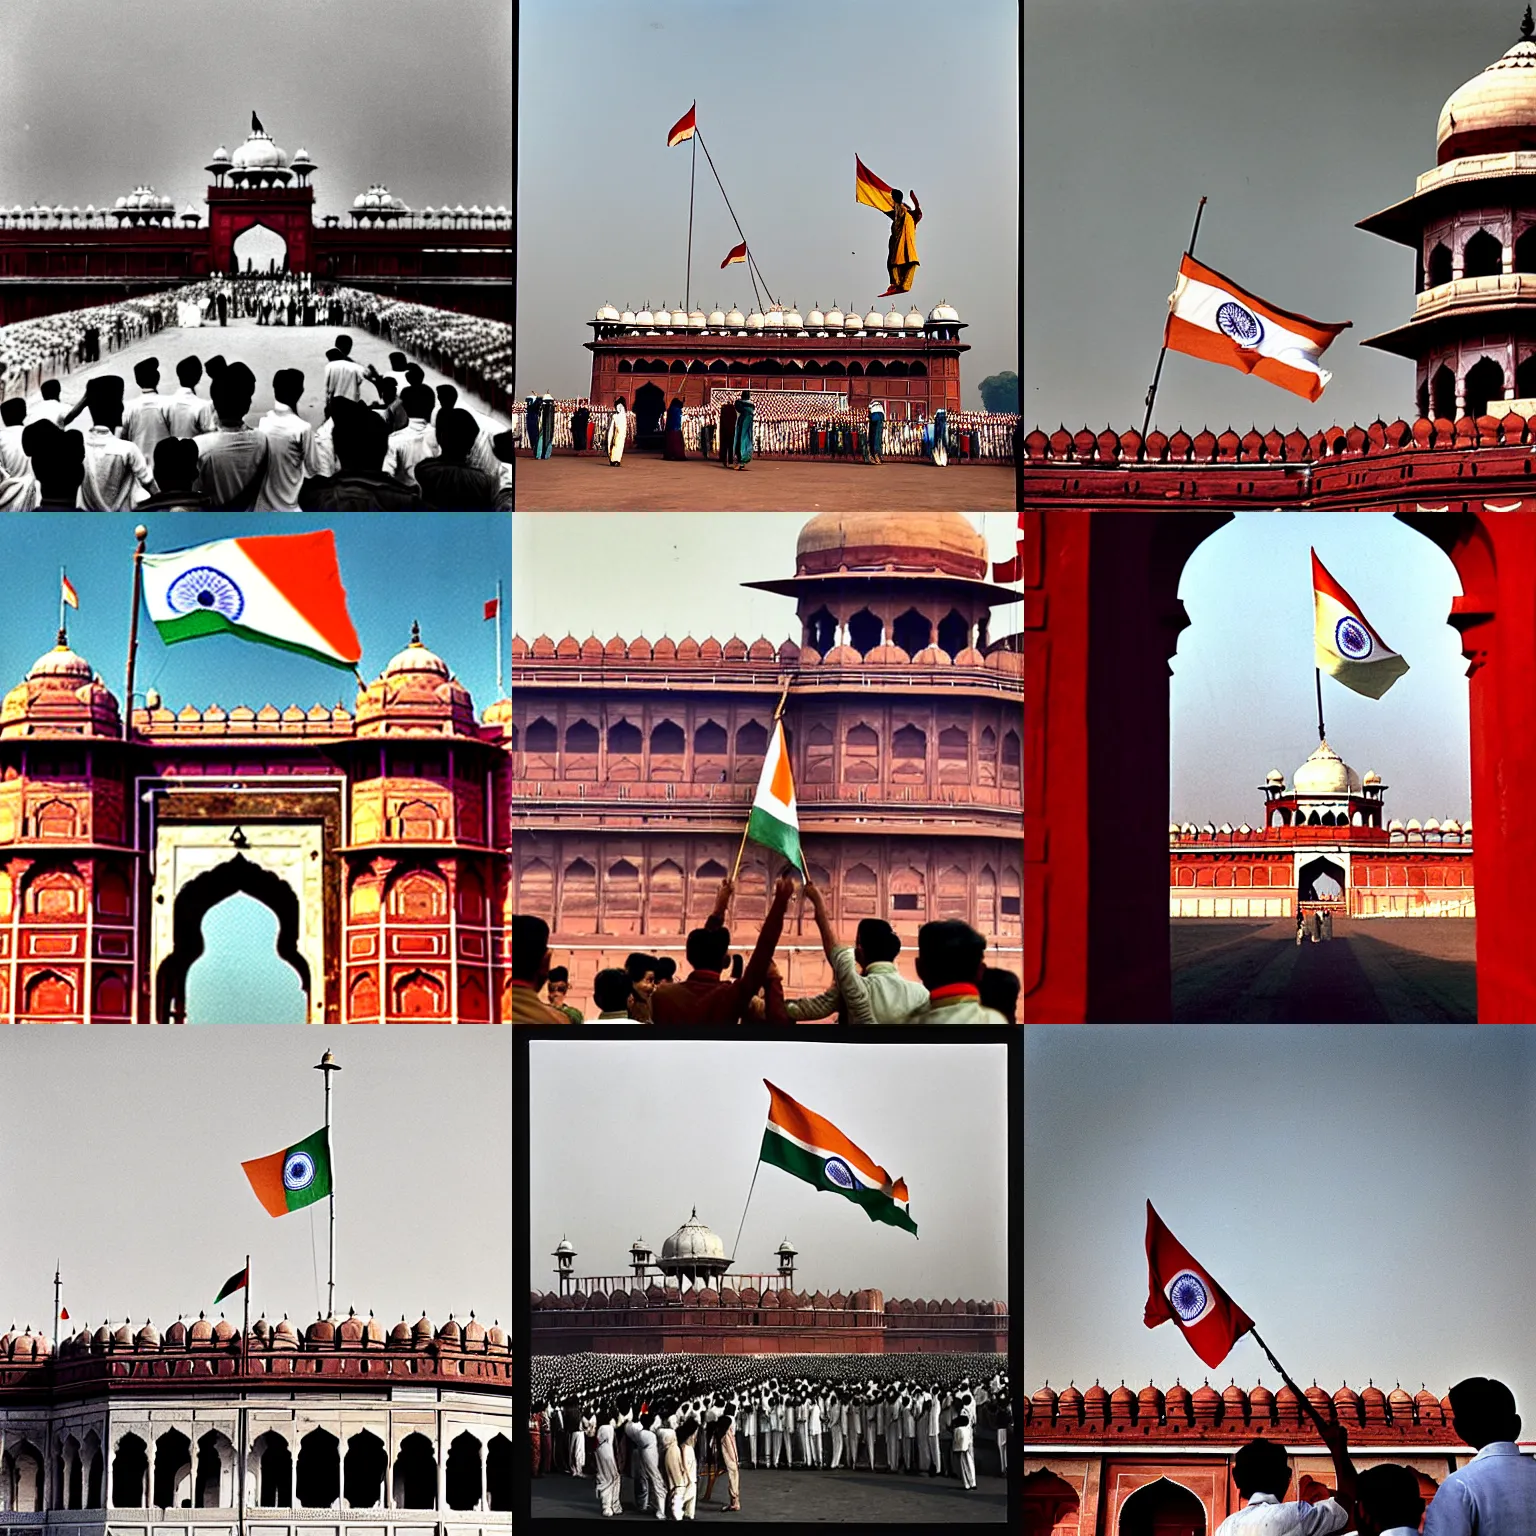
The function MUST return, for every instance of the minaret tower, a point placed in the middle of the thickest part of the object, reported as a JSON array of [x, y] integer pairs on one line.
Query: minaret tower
[[1472, 223]]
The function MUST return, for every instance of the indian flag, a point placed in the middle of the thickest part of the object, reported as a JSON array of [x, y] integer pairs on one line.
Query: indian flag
[[276, 589], [774, 822], [293, 1178], [1344, 644], [801, 1143]]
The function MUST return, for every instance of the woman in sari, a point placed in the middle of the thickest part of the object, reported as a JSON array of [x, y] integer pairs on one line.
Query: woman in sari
[[744, 413], [674, 447], [618, 432]]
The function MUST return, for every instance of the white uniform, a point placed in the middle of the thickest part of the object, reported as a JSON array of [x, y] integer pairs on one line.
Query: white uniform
[[931, 1432], [836, 1412], [965, 1456], [618, 432], [288, 436], [607, 1473]]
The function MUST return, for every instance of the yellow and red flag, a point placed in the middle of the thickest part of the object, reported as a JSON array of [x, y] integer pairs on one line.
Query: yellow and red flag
[[67, 591], [868, 188], [683, 128], [737, 253]]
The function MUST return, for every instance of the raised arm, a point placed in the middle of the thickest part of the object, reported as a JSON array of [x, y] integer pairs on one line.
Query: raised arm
[[716, 918], [768, 940], [917, 207]]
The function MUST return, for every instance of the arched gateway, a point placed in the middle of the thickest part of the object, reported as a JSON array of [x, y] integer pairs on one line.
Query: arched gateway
[[1110, 519], [376, 837]]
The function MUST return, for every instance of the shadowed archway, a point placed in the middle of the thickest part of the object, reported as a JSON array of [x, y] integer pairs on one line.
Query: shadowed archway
[[1321, 879], [193, 903]]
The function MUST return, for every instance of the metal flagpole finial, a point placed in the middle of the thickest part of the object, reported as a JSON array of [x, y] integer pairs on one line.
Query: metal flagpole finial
[[1527, 26], [328, 1064]]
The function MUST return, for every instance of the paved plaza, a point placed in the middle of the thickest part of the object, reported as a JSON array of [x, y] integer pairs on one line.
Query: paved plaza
[[803, 1497], [263, 349], [1405, 971], [645, 482]]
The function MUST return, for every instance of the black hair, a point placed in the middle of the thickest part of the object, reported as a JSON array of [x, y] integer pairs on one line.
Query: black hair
[[447, 395], [708, 947], [1390, 1494], [188, 371], [638, 964], [877, 939], [1483, 1411], [58, 457], [398, 360], [233, 390], [344, 344], [621, 401], [414, 373], [360, 438], [1261, 1466], [559, 973], [456, 430], [288, 386], [949, 951], [50, 389], [389, 389], [610, 989], [417, 399], [175, 463], [1000, 991], [13, 411], [530, 943], [146, 371], [666, 968]]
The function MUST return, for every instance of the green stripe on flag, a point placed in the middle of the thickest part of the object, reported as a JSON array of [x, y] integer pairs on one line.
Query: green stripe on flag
[[793, 1159], [194, 626], [770, 832]]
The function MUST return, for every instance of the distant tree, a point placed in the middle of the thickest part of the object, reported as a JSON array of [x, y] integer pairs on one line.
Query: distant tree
[[1000, 392]]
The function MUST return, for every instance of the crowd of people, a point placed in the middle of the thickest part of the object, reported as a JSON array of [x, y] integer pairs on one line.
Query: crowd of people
[[1493, 1495], [955, 985], [34, 350], [670, 1424]]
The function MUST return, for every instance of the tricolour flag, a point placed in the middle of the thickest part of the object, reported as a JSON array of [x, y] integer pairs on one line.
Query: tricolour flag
[[293, 1178], [683, 128], [737, 253], [1180, 1291], [276, 589], [811, 1148], [67, 591], [492, 608], [236, 1282], [868, 188], [1343, 642], [1209, 316], [774, 822]]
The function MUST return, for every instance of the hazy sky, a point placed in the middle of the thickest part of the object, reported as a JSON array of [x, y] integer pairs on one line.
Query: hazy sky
[[1295, 120], [787, 95], [97, 96], [1243, 694], [131, 1176], [611, 1160], [1361, 1192], [676, 573], [437, 568]]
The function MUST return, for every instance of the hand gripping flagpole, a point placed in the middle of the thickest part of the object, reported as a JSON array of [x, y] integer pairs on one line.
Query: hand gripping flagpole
[[141, 534], [1146, 421], [328, 1064], [741, 847]]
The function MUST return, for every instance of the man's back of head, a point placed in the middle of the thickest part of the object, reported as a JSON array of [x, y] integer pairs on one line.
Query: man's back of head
[[530, 948], [175, 464], [232, 392], [877, 940], [708, 948], [1261, 1466], [13, 411], [288, 387], [610, 990], [146, 373], [1387, 1496], [1483, 1411], [948, 952], [418, 401], [360, 438], [189, 372], [58, 458], [50, 389]]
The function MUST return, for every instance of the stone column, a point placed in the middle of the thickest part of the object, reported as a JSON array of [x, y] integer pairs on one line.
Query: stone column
[[485, 1488], [441, 1453], [1102, 618]]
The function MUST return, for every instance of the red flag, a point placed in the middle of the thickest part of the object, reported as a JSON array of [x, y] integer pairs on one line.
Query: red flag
[[683, 127], [1180, 1291], [67, 591], [492, 608], [1011, 570], [738, 253], [64, 1314]]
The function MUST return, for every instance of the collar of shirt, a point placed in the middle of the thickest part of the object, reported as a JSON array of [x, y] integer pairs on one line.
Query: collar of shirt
[[954, 992], [279, 409], [1498, 1448], [1263, 1498], [100, 433], [881, 968]]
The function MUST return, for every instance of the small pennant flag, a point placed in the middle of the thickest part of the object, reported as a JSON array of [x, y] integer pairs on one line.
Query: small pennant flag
[[775, 822], [738, 253], [281, 589], [236, 1282], [63, 1314], [492, 608], [1343, 642], [868, 188], [683, 128], [1210, 317], [67, 591], [802, 1143], [1180, 1291], [293, 1178]]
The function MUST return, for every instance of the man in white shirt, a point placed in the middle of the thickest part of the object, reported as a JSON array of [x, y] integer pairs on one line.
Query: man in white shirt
[[18, 485], [1388, 1501], [1495, 1493], [414, 441], [51, 407], [950, 959], [117, 475], [144, 417], [342, 376], [1262, 1472], [866, 986], [187, 413], [232, 462], [288, 436]]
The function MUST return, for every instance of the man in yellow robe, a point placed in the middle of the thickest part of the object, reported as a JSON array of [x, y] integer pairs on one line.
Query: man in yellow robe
[[901, 258]]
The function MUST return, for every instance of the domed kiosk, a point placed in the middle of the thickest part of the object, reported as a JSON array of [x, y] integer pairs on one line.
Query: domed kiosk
[[693, 1253]]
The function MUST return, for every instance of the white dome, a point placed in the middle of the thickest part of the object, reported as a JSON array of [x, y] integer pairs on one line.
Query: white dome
[[607, 312], [717, 317], [754, 321], [815, 320], [696, 320], [693, 1240], [1173, 827], [300, 154], [735, 319], [915, 319], [1325, 773], [874, 320], [893, 320], [793, 321], [853, 322], [221, 155], [943, 311], [61, 662], [628, 317], [259, 153], [680, 318], [834, 319], [645, 317], [1274, 776], [1413, 824], [1431, 825], [1452, 826], [1394, 825], [774, 319]]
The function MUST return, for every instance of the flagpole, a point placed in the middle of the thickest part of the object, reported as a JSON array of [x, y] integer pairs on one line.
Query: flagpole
[[61, 599], [328, 1064], [744, 1208], [742, 846], [692, 168], [500, 690], [244, 1393], [1146, 421], [1306, 1402], [751, 263], [141, 534], [56, 1265], [1317, 673]]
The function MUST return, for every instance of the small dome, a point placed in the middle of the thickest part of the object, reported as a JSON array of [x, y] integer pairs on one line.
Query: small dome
[[1370, 776], [874, 320], [1494, 111], [1149, 1402], [755, 321], [645, 317], [1413, 824], [680, 318], [834, 319], [400, 1333], [201, 1332], [853, 323], [792, 320], [285, 1335], [1453, 827], [915, 321], [735, 319], [416, 658], [893, 320], [61, 662], [224, 1331], [815, 320], [693, 1240], [628, 317], [422, 1328], [774, 319], [1325, 773], [943, 311], [147, 1337], [1274, 776], [221, 156], [564, 1247], [1394, 825], [696, 320], [716, 318], [607, 312]]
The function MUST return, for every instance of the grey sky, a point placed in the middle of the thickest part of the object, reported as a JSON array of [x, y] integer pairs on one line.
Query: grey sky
[[96, 97], [124, 1150], [1243, 696], [1296, 120], [626, 1139], [675, 573], [1361, 1192], [787, 95]]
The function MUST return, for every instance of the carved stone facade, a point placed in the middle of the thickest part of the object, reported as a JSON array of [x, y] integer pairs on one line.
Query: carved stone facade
[[400, 1432], [378, 839], [634, 764]]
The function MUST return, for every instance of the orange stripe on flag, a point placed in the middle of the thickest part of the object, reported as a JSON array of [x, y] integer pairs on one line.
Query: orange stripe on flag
[[1318, 331], [738, 253], [302, 566], [868, 188], [783, 786], [806, 1125], [684, 127], [1196, 341], [266, 1176], [1323, 581]]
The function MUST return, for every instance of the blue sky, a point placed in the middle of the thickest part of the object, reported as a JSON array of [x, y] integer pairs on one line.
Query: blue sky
[[437, 568]]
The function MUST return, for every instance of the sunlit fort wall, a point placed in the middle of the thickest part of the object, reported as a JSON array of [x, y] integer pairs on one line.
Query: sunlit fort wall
[[1112, 516], [376, 836], [634, 762], [1127, 1462], [62, 258], [686, 1301], [402, 1431]]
